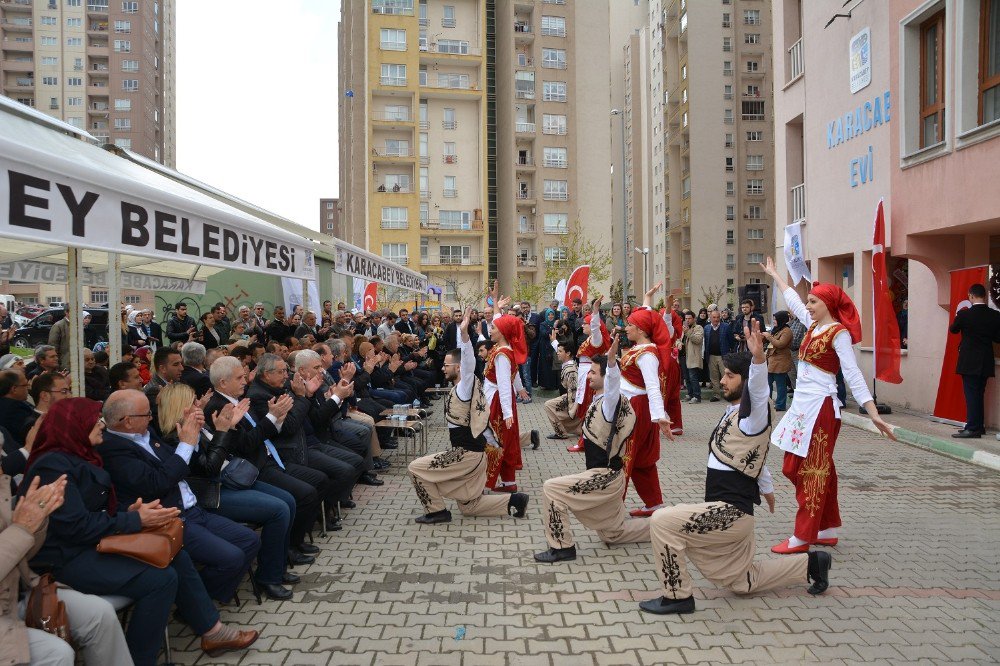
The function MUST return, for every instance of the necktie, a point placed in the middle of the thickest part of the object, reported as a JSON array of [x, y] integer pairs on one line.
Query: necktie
[[271, 450]]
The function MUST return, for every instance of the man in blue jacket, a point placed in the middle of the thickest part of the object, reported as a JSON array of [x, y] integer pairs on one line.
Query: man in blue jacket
[[717, 343]]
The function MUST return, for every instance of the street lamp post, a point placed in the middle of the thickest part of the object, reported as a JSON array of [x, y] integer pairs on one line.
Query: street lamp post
[[644, 251], [621, 115]]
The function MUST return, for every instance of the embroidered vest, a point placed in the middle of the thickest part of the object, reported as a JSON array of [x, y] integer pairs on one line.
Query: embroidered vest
[[597, 430], [469, 416], [817, 348], [632, 373], [734, 448], [568, 379], [490, 373]]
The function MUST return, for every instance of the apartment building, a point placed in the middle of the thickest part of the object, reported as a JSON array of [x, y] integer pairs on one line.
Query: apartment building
[[329, 218], [711, 185], [105, 66]]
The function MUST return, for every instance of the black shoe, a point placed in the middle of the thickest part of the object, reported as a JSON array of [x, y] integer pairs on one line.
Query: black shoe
[[556, 555], [820, 563], [715, 398], [534, 440], [276, 592], [390, 445], [967, 434], [556, 435], [664, 606], [443, 516], [517, 503], [379, 464], [369, 479], [290, 579], [296, 558], [308, 548], [333, 522], [348, 504]]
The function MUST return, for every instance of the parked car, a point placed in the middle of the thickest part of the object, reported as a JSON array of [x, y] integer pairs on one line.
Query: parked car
[[36, 331], [30, 311]]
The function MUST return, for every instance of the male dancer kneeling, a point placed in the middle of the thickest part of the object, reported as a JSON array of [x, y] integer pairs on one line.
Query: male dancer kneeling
[[595, 496], [461, 472], [717, 536]]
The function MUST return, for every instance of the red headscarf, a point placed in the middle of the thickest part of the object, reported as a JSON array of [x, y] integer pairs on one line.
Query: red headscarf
[[841, 307], [66, 429], [513, 331], [651, 323]]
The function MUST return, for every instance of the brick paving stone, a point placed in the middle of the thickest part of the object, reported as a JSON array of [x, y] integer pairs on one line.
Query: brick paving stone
[[914, 576]]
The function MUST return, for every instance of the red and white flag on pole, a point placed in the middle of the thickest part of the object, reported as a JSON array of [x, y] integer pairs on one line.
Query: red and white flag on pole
[[577, 285], [369, 302], [887, 343]]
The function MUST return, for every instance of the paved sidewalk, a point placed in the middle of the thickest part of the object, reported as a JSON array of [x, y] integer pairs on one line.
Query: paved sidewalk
[[915, 577]]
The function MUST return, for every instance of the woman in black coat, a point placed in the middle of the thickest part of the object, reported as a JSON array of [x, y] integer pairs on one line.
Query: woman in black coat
[[66, 445]]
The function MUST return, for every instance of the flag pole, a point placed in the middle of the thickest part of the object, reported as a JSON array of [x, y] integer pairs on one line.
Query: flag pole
[[882, 409]]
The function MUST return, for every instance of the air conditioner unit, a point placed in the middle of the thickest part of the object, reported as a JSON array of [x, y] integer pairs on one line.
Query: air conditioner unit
[[376, 10]]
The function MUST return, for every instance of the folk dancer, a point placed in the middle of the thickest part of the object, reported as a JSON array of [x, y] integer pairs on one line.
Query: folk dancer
[[558, 408], [595, 496], [501, 378], [718, 534], [461, 472], [672, 395], [643, 368], [596, 344], [808, 432]]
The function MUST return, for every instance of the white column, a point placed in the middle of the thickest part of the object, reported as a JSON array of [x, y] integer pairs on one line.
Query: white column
[[74, 291], [114, 307]]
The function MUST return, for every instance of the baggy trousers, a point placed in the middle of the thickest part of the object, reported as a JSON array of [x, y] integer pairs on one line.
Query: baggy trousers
[[458, 474], [595, 498], [557, 409], [718, 538]]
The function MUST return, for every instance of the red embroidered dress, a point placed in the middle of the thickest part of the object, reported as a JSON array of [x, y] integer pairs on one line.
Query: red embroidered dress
[[507, 459], [646, 436]]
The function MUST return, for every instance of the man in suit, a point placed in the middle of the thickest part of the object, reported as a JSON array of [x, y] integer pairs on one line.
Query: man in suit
[[141, 465], [195, 373], [451, 331], [404, 325], [15, 410], [717, 342], [305, 485], [979, 326]]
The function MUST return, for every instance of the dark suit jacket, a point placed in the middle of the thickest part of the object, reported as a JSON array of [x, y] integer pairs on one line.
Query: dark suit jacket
[[404, 326], [980, 328], [726, 341], [197, 380], [450, 337], [13, 415], [136, 474], [13, 461], [249, 440], [291, 441]]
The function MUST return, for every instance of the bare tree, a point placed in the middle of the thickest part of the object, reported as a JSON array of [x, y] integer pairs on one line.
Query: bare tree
[[711, 295]]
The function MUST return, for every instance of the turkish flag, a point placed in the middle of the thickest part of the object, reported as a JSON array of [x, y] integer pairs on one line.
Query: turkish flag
[[576, 287], [369, 302], [887, 343], [950, 403]]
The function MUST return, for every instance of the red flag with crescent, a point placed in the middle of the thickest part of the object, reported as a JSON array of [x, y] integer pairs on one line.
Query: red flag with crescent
[[576, 287], [887, 343], [369, 302]]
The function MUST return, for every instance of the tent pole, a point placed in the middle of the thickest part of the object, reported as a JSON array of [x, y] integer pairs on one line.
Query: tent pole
[[114, 307], [305, 298], [76, 333]]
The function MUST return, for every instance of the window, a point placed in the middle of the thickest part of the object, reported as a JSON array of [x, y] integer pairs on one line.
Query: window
[[752, 91], [393, 75], [123, 27], [394, 179], [74, 81], [753, 110], [751, 38], [329, 205], [553, 91], [727, 116], [751, 17], [754, 258], [450, 187], [730, 261], [74, 41], [392, 39], [455, 255], [457, 46], [50, 80], [448, 119], [395, 252], [727, 20], [130, 65], [123, 124], [727, 44], [727, 91], [397, 112], [932, 80], [727, 67], [730, 237], [394, 217], [555, 256], [329, 226], [73, 3], [123, 105], [329, 216], [74, 101], [556, 223], [400, 7], [74, 23], [729, 164], [755, 186], [48, 41], [450, 154], [686, 189], [397, 147], [554, 157], [554, 58], [98, 296], [130, 85], [989, 62], [50, 60], [729, 141], [554, 26], [455, 81], [753, 66], [130, 7], [425, 182], [755, 234], [124, 144], [50, 20], [754, 213], [448, 16], [730, 212], [755, 135], [78, 64], [755, 162], [730, 188], [684, 72], [123, 46], [524, 85], [553, 123], [455, 219], [556, 190]]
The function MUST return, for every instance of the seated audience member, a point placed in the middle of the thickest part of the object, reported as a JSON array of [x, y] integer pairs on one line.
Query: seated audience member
[[124, 376], [213, 354], [143, 361], [67, 447], [142, 466], [268, 506], [195, 374], [15, 409], [254, 434], [46, 389], [46, 360], [97, 385]]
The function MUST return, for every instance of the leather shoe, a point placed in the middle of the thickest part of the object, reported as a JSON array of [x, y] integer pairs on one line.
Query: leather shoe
[[517, 504], [288, 578], [276, 592], [333, 522], [308, 548], [826, 542], [664, 606], [243, 639], [556, 435], [390, 445], [443, 516], [534, 440], [784, 548], [553, 555], [820, 563], [348, 504], [379, 464], [296, 558], [967, 434], [576, 448], [369, 479]]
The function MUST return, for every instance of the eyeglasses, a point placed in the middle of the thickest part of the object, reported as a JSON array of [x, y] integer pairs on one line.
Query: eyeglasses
[[64, 391], [147, 415]]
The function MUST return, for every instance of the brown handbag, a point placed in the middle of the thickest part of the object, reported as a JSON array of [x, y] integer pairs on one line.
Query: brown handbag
[[156, 546], [44, 610]]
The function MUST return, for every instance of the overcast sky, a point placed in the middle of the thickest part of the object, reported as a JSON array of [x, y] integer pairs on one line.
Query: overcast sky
[[257, 100]]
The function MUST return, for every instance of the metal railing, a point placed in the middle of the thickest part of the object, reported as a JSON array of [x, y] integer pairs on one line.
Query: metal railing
[[451, 261], [393, 80], [392, 152], [527, 262], [795, 60], [554, 129], [554, 163], [524, 162], [402, 261], [523, 127], [449, 124], [799, 203], [553, 32], [555, 196], [392, 189], [554, 64], [451, 225], [449, 193], [523, 195], [524, 94], [391, 116]]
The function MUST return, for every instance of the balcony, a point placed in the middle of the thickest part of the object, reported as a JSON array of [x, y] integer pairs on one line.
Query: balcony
[[799, 203], [448, 23], [402, 261], [795, 64], [526, 228], [97, 27], [524, 127], [522, 32], [425, 194], [392, 46], [17, 25], [97, 8], [435, 224], [555, 196], [393, 7], [12, 5], [395, 225], [382, 188], [391, 153], [397, 81], [752, 116], [527, 262], [524, 61], [553, 32], [449, 193], [22, 84], [554, 64], [451, 261], [555, 231], [524, 197], [98, 107], [524, 94], [449, 159], [558, 130], [425, 124], [18, 65], [449, 82], [449, 124], [554, 163], [524, 163], [425, 160], [453, 48], [99, 68], [98, 49]]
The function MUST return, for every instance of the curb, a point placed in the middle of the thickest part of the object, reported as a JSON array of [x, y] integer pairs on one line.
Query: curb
[[920, 440]]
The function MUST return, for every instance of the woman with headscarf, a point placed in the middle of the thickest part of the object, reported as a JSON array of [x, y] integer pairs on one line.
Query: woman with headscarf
[[808, 432], [501, 378], [67, 445], [779, 358], [644, 379]]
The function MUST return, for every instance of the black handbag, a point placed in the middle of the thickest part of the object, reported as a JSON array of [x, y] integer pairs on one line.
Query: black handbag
[[206, 490], [239, 474]]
